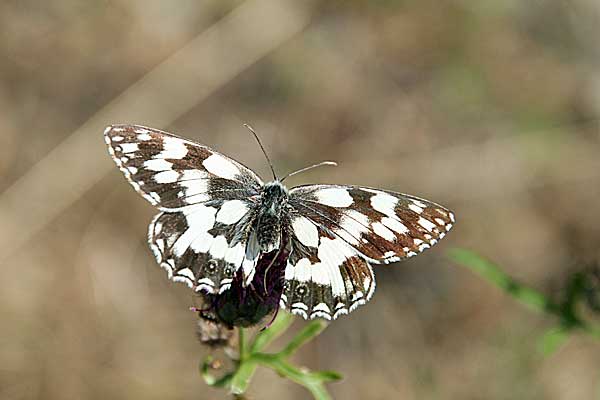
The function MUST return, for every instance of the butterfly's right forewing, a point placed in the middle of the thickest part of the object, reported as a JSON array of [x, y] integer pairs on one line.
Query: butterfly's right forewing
[[383, 226]]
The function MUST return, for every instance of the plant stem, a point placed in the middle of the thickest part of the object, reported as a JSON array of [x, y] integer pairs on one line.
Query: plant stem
[[488, 270], [241, 344], [251, 357], [565, 311]]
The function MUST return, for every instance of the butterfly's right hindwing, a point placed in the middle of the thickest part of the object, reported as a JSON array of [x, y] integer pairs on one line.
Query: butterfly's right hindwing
[[324, 276], [171, 172]]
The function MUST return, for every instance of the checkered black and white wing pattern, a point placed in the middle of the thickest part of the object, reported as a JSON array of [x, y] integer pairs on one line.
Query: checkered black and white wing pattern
[[172, 172], [324, 276], [349, 227], [205, 245], [203, 235]]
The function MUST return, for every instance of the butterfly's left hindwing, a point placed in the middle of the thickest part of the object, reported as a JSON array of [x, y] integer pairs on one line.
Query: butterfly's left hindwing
[[205, 245], [172, 172]]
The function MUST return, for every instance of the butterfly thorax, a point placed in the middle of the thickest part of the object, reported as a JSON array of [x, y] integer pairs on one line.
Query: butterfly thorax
[[273, 202]]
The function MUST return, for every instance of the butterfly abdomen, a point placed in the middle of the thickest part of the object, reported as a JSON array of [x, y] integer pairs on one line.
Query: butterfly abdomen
[[268, 231]]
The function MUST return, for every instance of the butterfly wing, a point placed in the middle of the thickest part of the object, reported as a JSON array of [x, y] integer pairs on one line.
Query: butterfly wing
[[204, 246], [339, 230], [383, 226], [324, 276], [171, 172], [203, 236]]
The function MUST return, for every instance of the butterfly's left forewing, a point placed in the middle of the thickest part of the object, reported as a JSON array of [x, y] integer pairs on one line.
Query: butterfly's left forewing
[[171, 172]]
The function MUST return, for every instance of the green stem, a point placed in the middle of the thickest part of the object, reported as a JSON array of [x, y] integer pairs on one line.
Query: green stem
[[313, 381], [241, 344], [251, 357], [242, 376], [277, 328], [307, 333], [245, 370]]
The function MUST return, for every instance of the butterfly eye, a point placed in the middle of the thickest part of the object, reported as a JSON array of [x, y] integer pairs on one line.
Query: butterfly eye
[[228, 272], [301, 290]]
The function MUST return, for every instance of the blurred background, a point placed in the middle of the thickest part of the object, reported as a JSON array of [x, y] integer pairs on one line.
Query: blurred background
[[490, 108]]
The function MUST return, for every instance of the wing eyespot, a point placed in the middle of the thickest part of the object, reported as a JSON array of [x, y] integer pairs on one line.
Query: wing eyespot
[[211, 266], [301, 290]]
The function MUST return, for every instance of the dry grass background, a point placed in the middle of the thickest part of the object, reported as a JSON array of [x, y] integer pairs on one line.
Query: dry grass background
[[489, 107]]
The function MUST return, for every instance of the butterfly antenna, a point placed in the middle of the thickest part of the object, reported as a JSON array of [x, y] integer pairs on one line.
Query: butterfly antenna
[[262, 148], [333, 163]]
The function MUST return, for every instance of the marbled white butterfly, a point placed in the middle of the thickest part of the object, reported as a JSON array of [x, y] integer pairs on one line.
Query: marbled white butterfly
[[255, 246]]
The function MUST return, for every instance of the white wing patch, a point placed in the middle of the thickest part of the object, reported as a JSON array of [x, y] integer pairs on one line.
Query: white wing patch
[[352, 226], [199, 220], [173, 148], [158, 164], [384, 203], [166, 177], [334, 197], [221, 167], [384, 232], [232, 211], [306, 231]]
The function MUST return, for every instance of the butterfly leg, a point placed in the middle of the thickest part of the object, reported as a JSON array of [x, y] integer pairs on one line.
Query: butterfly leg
[[272, 319]]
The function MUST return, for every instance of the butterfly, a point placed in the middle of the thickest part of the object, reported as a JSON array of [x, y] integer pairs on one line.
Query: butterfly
[[257, 246]]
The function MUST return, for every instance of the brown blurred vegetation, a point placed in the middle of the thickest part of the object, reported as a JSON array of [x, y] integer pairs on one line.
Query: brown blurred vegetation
[[488, 107]]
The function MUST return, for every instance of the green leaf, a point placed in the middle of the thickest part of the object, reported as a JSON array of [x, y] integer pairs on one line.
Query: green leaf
[[328, 376], [553, 339]]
